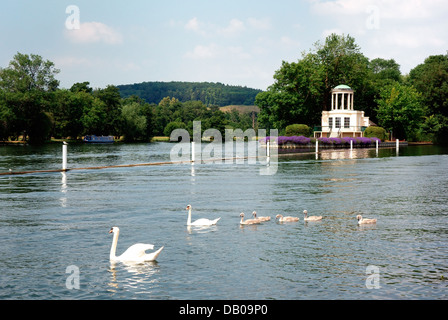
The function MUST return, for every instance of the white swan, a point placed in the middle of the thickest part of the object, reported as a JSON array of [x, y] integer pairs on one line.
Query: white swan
[[361, 220], [249, 221], [286, 219], [260, 218], [135, 253], [311, 218], [200, 222]]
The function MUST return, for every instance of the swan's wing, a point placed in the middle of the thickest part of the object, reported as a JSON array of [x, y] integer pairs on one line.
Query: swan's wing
[[202, 222], [137, 250]]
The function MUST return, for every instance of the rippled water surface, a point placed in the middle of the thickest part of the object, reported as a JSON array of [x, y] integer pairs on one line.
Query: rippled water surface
[[51, 221]]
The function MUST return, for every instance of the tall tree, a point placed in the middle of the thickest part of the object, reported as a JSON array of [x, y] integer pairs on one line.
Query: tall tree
[[400, 110], [28, 83], [431, 80], [302, 89]]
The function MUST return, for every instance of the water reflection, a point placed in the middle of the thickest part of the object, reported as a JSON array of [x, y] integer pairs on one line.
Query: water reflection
[[139, 276], [201, 229], [63, 199], [340, 154]]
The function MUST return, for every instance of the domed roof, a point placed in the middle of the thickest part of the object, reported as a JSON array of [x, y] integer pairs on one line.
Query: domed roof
[[343, 86]]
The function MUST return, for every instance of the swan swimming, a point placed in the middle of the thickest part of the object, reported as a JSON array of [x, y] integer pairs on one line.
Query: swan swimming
[[361, 220], [311, 218], [260, 218], [200, 222], [135, 253], [249, 221], [286, 219]]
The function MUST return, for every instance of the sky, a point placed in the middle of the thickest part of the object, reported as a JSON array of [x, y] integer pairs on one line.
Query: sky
[[240, 42]]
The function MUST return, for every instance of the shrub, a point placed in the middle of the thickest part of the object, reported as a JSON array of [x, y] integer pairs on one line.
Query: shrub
[[297, 130], [377, 132], [172, 126]]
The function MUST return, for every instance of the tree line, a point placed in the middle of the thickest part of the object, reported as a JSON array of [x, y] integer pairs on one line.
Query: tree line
[[412, 107], [211, 94], [32, 106]]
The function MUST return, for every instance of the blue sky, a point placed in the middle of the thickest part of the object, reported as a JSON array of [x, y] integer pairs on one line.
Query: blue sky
[[238, 42]]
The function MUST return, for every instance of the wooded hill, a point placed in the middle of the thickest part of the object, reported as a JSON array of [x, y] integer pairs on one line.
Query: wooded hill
[[209, 93]]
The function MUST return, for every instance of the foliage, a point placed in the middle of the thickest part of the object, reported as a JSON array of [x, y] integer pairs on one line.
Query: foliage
[[377, 132], [431, 80], [362, 141], [170, 127], [28, 85], [298, 130], [208, 93], [400, 110], [134, 122]]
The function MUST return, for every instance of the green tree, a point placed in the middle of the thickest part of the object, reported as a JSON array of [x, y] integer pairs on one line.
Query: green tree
[[94, 116], [431, 80], [303, 89], [400, 110], [342, 62], [110, 96], [28, 84], [295, 96], [134, 122]]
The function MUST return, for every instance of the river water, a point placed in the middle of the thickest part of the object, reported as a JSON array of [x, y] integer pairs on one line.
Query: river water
[[54, 240]]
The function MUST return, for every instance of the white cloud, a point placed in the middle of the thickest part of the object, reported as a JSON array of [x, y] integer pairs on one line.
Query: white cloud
[[259, 24], [203, 52], [92, 32], [214, 51], [235, 27], [288, 42], [405, 30]]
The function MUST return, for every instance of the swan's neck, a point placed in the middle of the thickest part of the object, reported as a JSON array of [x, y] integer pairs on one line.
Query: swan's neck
[[189, 217], [113, 249], [242, 218]]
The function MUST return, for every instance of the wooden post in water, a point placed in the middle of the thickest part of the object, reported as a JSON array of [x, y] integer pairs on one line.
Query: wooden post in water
[[64, 156]]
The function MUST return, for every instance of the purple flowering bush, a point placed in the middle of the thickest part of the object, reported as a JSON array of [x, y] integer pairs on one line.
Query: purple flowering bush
[[362, 141], [301, 140], [283, 140]]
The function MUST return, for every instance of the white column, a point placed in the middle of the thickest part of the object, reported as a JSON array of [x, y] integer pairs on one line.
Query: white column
[[332, 101], [352, 101], [64, 157], [337, 100]]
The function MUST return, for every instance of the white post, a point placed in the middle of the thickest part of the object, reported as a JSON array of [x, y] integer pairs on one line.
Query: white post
[[351, 145], [398, 144], [317, 146], [268, 151], [64, 157], [376, 141], [192, 152]]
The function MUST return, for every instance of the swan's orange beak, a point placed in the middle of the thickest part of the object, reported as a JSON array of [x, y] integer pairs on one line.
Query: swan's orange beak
[[111, 230]]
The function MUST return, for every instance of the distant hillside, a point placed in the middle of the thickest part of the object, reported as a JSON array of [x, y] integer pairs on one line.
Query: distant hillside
[[209, 93]]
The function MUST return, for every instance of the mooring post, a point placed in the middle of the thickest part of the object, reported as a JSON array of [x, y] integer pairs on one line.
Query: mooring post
[[351, 145], [376, 141], [268, 147], [398, 144], [317, 146], [192, 152], [64, 156]]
